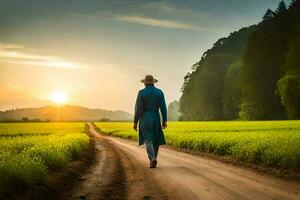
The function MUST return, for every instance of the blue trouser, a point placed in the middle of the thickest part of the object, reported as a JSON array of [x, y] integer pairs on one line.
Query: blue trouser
[[152, 150]]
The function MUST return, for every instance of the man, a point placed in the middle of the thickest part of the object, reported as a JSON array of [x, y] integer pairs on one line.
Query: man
[[148, 102]]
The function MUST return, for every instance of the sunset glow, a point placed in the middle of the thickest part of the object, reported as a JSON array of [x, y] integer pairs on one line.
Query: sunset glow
[[59, 97], [97, 52]]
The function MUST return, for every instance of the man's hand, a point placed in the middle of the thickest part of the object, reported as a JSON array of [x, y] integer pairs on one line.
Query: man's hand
[[164, 125], [135, 126]]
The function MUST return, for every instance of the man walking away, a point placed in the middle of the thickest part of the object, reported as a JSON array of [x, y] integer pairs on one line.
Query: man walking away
[[148, 103]]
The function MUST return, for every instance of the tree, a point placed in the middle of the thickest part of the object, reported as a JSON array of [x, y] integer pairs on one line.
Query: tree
[[289, 84], [269, 85], [25, 119], [203, 89], [254, 73], [268, 15], [295, 4], [281, 7], [289, 87], [264, 56], [232, 93]]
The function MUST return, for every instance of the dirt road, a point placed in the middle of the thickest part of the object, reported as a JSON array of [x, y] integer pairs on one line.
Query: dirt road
[[121, 172]]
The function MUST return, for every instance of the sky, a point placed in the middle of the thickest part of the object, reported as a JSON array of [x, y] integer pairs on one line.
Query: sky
[[97, 51]]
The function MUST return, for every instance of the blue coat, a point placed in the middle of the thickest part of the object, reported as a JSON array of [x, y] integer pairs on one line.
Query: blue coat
[[148, 103]]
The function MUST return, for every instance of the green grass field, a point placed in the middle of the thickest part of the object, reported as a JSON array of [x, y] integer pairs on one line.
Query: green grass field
[[30, 150], [266, 143]]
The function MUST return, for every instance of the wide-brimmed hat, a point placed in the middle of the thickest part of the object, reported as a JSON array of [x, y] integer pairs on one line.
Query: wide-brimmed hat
[[149, 80]]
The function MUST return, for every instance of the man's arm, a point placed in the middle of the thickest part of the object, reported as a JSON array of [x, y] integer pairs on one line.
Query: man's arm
[[163, 110], [138, 111]]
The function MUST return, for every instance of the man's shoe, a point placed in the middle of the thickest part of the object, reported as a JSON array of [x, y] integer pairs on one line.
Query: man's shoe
[[153, 164]]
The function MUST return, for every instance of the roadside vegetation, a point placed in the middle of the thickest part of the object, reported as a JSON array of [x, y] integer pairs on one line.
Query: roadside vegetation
[[29, 151], [265, 143]]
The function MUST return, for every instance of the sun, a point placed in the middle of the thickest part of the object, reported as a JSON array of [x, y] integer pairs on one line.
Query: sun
[[59, 97]]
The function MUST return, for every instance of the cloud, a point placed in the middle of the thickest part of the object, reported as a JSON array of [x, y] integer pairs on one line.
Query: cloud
[[21, 55], [48, 63], [18, 55], [15, 54], [160, 23], [10, 46], [174, 10]]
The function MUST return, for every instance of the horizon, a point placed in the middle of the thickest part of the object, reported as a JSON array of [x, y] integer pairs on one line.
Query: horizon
[[61, 105], [96, 53]]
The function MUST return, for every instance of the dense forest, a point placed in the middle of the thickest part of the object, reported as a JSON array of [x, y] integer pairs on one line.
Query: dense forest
[[253, 74]]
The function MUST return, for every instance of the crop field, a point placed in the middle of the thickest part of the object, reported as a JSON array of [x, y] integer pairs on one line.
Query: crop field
[[30, 150], [266, 143]]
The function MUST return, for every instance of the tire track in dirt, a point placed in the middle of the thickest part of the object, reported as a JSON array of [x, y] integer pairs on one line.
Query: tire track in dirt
[[194, 177], [106, 178], [115, 175], [121, 171]]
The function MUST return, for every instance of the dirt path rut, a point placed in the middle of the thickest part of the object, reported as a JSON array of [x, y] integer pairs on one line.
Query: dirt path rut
[[116, 175], [121, 172]]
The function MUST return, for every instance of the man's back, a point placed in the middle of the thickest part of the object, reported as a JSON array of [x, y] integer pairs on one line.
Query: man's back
[[151, 98]]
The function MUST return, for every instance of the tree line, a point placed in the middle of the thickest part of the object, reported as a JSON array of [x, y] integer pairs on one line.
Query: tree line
[[253, 74]]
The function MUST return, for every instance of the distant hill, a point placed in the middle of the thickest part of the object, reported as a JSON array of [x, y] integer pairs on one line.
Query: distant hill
[[64, 113]]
